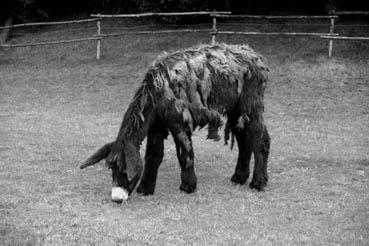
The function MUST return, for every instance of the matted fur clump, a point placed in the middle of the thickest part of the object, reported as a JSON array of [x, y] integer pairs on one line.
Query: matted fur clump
[[183, 90], [187, 77]]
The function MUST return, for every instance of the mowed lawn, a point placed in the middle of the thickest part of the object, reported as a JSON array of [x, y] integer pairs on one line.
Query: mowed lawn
[[58, 105]]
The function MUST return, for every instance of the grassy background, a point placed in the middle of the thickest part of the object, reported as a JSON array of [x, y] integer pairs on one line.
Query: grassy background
[[58, 104]]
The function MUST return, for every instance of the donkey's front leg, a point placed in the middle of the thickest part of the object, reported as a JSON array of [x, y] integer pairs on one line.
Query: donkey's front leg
[[153, 157], [182, 139]]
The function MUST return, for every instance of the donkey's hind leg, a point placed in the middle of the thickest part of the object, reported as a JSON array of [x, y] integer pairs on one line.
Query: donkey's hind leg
[[261, 144], [153, 158]]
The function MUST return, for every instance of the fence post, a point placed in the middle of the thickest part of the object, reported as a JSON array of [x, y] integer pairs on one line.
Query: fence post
[[214, 30], [98, 24], [331, 31]]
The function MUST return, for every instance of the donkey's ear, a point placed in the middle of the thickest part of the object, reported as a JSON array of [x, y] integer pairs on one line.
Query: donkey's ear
[[102, 153], [133, 162]]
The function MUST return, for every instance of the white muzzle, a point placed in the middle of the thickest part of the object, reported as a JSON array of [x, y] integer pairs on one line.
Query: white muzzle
[[118, 194]]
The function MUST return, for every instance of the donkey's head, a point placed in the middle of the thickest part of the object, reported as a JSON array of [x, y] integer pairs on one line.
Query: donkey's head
[[126, 165]]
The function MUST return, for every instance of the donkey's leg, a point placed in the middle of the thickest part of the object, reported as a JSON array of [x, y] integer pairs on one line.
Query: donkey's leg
[[242, 170], [265, 151], [260, 143], [185, 154], [153, 158]]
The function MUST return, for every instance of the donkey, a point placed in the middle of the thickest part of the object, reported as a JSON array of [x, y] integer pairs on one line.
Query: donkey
[[182, 91]]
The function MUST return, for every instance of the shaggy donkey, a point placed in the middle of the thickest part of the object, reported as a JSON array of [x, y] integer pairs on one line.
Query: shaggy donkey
[[184, 90]]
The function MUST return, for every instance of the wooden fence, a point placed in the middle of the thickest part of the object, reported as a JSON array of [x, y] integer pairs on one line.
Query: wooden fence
[[213, 31], [99, 36], [106, 35], [351, 12], [50, 24], [307, 17], [331, 38]]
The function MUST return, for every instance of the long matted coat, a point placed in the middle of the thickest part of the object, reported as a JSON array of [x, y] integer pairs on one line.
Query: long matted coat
[[184, 90]]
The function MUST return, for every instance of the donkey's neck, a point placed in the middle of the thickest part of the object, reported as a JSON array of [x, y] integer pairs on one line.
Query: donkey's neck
[[138, 118]]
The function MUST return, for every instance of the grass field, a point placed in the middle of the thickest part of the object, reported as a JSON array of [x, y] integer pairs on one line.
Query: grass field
[[58, 104]]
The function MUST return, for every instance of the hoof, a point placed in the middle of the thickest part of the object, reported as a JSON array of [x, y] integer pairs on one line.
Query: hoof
[[188, 188], [258, 185], [239, 179], [144, 190]]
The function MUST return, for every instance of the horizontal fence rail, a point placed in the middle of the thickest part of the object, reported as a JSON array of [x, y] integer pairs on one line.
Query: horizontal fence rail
[[50, 42], [345, 38], [277, 16], [275, 33], [152, 32], [352, 12], [158, 14], [49, 23]]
